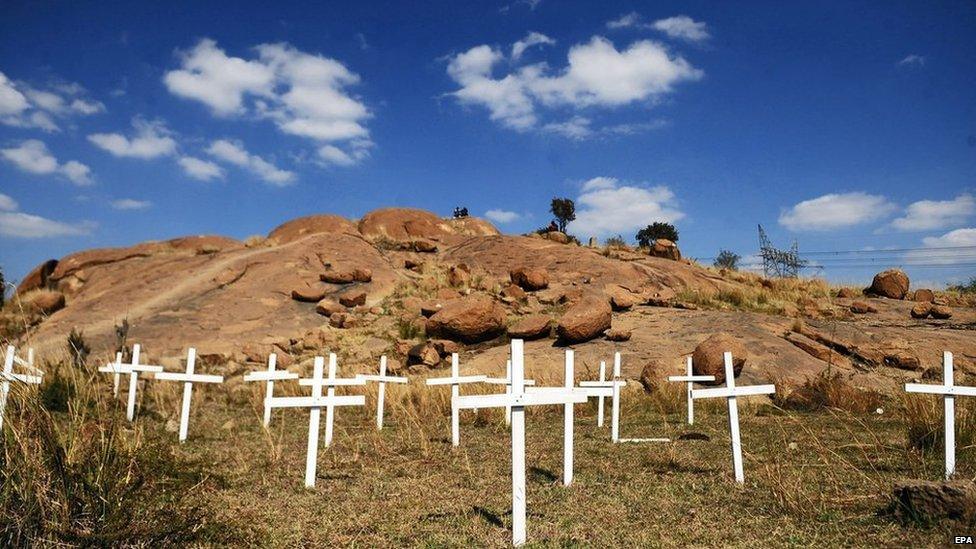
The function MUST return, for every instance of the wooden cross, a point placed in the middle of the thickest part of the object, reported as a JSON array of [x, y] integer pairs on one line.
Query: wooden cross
[[133, 370], [507, 382], [455, 381], [8, 375], [949, 391], [382, 379], [730, 392], [691, 378], [315, 403], [270, 376], [331, 382], [602, 389], [188, 378], [518, 399]]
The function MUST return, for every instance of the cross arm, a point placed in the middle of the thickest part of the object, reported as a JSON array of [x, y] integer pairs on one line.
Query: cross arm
[[505, 381], [113, 368], [456, 380], [28, 365], [537, 398], [603, 384], [334, 382], [691, 378], [274, 375], [23, 378], [940, 389], [720, 392], [317, 402]]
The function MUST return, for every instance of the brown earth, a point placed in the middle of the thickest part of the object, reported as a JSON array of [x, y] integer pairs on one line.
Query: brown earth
[[235, 302]]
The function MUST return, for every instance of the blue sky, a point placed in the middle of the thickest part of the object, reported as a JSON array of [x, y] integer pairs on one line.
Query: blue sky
[[847, 126]]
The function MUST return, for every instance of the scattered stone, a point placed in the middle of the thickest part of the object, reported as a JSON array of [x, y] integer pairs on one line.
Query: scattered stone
[[430, 307], [338, 320], [362, 274], [862, 307], [586, 320], [308, 294], [513, 292], [46, 301], [424, 354], [621, 299], [557, 236], [447, 294], [530, 327], [337, 277], [617, 334], [665, 249], [650, 376], [665, 297], [941, 312], [351, 298], [694, 436], [847, 293], [903, 359], [470, 319], [445, 347], [927, 502], [328, 306], [924, 295], [708, 358], [892, 283], [413, 265], [921, 310], [423, 246], [529, 279], [459, 275]]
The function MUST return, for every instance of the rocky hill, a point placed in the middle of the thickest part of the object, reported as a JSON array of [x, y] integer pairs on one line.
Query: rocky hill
[[416, 287]]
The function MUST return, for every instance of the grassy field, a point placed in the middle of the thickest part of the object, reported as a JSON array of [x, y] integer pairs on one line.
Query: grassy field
[[811, 478]]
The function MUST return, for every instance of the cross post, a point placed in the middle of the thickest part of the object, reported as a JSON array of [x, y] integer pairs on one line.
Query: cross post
[[949, 390], [188, 379], [455, 381], [691, 378], [269, 376], [382, 379]]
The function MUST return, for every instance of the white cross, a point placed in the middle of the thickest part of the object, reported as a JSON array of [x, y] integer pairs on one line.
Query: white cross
[[7, 375], [188, 379], [331, 382], [518, 400], [730, 392], [316, 402], [602, 389], [270, 376], [133, 370], [382, 379], [691, 378], [949, 391], [455, 381], [507, 382]]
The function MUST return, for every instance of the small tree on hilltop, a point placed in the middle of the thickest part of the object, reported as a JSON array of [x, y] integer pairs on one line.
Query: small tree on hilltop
[[565, 211], [727, 260], [658, 229]]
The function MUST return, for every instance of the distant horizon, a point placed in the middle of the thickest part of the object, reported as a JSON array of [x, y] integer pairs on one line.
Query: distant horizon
[[847, 128]]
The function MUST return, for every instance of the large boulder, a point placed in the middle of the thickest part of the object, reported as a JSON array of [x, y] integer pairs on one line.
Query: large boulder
[[924, 295], [587, 319], [530, 279], [313, 224], [666, 249], [530, 327], [37, 278], [921, 310], [353, 297], [470, 319], [862, 307], [403, 224], [941, 312], [892, 283], [708, 358], [328, 307], [309, 293], [926, 502], [204, 243], [651, 376]]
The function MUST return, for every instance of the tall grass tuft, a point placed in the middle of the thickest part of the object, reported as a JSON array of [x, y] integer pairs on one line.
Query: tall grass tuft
[[72, 471], [829, 390]]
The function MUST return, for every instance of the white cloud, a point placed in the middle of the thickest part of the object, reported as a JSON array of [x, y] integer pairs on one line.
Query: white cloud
[[24, 106], [631, 19], [531, 39], [23, 225], [913, 60], [234, 153], [926, 215], [204, 170], [130, 204], [597, 74], [951, 239], [151, 140], [581, 127], [33, 156], [606, 208], [682, 27], [501, 216], [303, 94], [7, 204], [836, 211], [330, 154]]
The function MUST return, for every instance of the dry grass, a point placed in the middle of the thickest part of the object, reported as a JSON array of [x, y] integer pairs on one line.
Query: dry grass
[[828, 390], [812, 478], [757, 294]]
